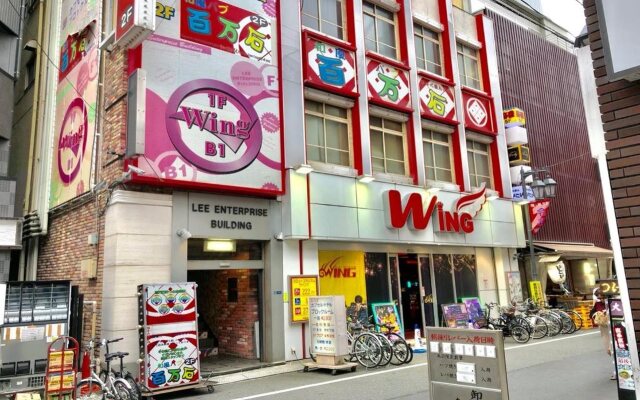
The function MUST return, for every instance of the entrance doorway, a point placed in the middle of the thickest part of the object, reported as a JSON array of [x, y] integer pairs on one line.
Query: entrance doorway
[[414, 292]]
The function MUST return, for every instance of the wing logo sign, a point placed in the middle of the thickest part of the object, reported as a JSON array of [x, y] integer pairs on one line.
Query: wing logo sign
[[411, 211]]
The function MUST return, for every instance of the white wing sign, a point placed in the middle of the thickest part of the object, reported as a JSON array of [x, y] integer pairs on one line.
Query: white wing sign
[[472, 203]]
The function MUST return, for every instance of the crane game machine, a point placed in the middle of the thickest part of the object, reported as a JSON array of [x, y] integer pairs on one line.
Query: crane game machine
[[33, 315]]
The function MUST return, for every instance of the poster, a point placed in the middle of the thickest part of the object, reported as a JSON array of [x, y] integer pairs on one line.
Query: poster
[[328, 323], [387, 314], [515, 287], [170, 303], [76, 100], [301, 287], [172, 359], [213, 86], [455, 315], [474, 309], [342, 273]]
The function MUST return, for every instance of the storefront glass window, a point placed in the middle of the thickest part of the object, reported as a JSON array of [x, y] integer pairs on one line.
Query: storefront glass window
[[442, 270], [464, 270], [377, 277], [395, 279], [425, 272], [324, 16]]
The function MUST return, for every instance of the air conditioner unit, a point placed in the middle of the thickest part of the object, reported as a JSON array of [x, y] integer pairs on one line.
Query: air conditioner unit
[[135, 21]]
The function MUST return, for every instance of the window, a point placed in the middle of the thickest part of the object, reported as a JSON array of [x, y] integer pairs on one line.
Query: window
[[462, 4], [30, 72], [468, 66], [427, 49], [379, 30], [437, 155], [479, 166], [327, 133], [387, 146], [324, 16]]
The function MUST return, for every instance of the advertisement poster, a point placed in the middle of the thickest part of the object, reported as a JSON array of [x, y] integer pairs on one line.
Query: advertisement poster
[[515, 287], [538, 211], [172, 359], [76, 100], [213, 88], [301, 287], [387, 314], [342, 273], [474, 309], [535, 289], [455, 315], [170, 303]]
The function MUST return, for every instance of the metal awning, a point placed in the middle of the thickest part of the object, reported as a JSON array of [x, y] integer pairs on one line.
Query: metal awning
[[574, 249]]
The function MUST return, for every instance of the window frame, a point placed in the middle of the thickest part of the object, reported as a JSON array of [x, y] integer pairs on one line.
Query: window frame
[[324, 116], [465, 78], [434, 142], [383, 130], [476, 152], [427, 62], [376, 17], [343, 26]]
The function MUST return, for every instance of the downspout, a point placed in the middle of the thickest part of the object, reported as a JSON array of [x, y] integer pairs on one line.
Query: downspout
[[16, 69]]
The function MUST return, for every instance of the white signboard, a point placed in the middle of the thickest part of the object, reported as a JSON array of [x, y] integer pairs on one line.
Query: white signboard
[[328, 321]]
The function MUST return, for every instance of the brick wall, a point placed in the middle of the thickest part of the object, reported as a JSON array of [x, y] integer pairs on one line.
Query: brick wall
[[231, 323], [620, 108]]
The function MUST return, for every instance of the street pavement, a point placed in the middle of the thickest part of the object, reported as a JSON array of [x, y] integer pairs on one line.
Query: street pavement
[[564, 367]]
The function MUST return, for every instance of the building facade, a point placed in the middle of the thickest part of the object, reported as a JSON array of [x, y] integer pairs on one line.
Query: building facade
[[361, 143], [542, 78]]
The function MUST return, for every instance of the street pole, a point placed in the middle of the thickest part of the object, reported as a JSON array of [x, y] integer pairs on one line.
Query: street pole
[[532, 259]]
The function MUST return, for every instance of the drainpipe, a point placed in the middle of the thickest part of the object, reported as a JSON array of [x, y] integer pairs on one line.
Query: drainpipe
[[16, 69]]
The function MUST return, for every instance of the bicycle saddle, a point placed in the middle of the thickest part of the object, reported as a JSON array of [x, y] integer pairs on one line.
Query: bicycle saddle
[[112, 356]]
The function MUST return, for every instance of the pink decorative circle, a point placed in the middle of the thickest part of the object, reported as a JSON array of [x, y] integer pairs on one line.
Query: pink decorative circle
[[270, 122]]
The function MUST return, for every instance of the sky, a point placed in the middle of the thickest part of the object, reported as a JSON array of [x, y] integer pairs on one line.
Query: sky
[[567, 13]]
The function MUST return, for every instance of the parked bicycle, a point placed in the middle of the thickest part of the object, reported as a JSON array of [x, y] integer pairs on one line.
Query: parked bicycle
[[402, 353], [122, 373], [112, 387], [506, 321]]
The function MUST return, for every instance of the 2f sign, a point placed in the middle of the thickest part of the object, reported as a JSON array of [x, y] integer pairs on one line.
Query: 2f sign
[[124, 17]]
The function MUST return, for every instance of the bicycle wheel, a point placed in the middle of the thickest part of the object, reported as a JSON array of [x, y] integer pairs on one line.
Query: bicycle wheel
[[122, 392], [135, 389], [540, 328], [89, 390], [577, 319], [568, 326], [520, 334], [401, 350], [367, 350], [554, 323], [387, 350]]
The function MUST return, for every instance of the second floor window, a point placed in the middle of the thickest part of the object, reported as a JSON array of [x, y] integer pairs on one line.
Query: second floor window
[[468, 66], [379, 30], [479, 164], [327, 133], [427, 49], [387, 146], [324, 16], [437, 155]]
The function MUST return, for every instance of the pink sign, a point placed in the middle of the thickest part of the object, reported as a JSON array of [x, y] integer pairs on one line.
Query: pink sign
[[538, 211], [388, 84]]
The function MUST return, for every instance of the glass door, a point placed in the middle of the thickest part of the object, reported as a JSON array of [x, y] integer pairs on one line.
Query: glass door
[[394, 281], [443, 274], [426, 290]]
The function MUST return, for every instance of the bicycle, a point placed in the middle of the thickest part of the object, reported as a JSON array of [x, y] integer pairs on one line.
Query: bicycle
[[94, 388], [402, 351], [509, 323], [136, 394]]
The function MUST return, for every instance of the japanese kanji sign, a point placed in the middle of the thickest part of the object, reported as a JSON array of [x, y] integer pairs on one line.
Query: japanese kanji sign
[[213, 88], [388, 84], [437, 100], [330, 66], [478, 112], [538, 211]]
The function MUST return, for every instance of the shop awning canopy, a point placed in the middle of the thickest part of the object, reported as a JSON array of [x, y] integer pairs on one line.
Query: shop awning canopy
[[573, 249]]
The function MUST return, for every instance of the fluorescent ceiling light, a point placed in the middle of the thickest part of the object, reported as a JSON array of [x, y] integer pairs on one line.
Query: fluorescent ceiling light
[[228, 246]]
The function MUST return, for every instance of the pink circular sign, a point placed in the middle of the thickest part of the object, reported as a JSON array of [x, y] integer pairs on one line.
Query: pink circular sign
[[72, 142]]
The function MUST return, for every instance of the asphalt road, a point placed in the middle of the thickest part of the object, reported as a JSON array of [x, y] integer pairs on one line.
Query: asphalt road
[[564, 367]]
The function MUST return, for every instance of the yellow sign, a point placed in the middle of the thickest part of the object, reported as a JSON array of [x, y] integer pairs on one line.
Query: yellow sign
[[514, 117], [28, 396], [68, 381], [301, 288], [535, 287], [342, 273], [55, 360]]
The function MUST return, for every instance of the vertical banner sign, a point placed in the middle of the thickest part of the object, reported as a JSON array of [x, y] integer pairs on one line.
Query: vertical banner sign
[[535, 289], [538, 211], [76, 100], [622, 355], [213, 93], [342, 273], [169, 336], [301, 287]]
